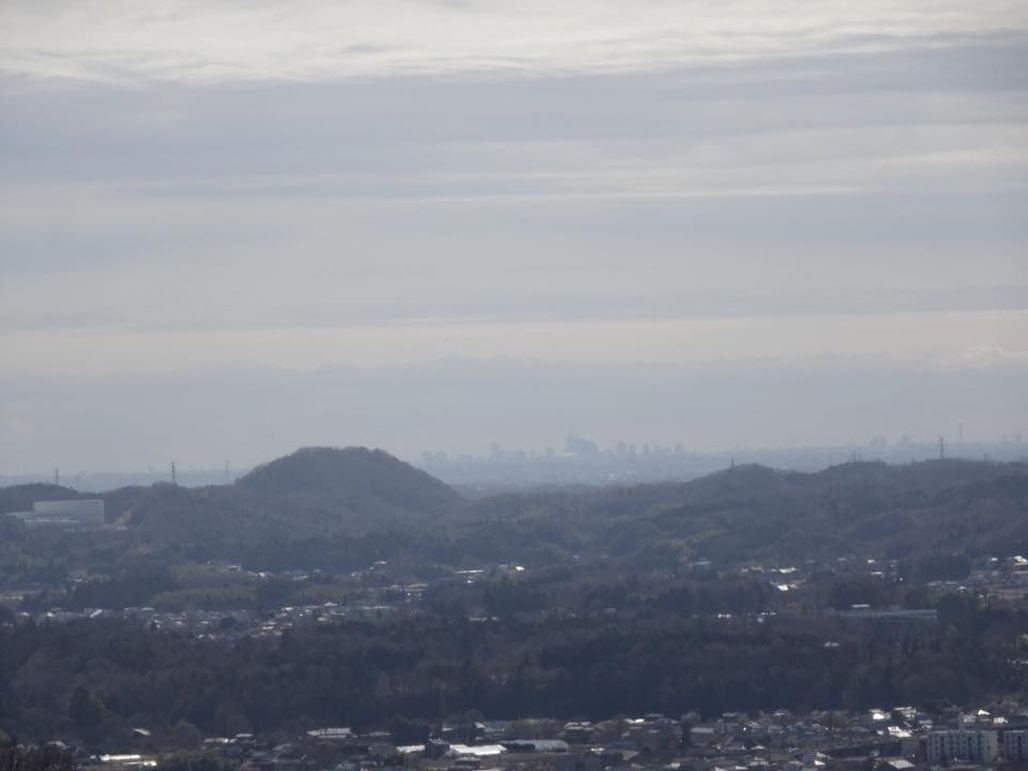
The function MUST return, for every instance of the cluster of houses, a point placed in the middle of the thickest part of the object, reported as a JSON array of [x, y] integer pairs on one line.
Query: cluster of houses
[[231, 624], [898, 739]]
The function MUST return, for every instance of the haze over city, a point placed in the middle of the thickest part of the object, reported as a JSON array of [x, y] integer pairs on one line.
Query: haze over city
[[228, 231]]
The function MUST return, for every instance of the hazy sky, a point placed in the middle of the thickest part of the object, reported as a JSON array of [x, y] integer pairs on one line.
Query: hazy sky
[[231, 228]]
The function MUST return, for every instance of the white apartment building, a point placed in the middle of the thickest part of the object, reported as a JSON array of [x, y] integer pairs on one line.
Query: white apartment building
[[1015, 745], [963, 745]]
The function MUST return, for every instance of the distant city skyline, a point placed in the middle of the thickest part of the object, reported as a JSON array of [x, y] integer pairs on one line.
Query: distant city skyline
[[623, 462]]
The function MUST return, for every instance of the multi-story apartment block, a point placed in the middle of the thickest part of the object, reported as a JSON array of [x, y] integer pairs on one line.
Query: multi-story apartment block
[[963, 745]]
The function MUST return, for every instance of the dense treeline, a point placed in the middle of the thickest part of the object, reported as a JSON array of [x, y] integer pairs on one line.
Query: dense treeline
[[14, 757], [95, 681]]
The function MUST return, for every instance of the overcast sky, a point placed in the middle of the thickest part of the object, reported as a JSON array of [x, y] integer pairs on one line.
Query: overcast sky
[[231, 228]]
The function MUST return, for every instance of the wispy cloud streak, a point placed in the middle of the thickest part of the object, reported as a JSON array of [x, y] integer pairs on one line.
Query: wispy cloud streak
[[198, 41]]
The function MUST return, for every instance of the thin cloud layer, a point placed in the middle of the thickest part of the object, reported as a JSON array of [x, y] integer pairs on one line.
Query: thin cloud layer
[[229, 190], [198, 41]]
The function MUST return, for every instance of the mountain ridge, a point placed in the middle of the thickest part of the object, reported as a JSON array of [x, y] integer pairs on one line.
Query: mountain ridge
[[317, 504]]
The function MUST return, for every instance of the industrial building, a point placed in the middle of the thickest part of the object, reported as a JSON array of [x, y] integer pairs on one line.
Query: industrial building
[[81, 512]]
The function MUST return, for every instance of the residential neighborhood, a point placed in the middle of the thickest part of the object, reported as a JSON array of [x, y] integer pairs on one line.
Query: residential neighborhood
[[899, 738]]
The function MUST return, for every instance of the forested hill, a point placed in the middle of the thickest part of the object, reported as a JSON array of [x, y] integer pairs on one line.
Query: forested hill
[[315, 492], [312, 493], [914, 513], [354, 476], [753, 512], [341, 509]]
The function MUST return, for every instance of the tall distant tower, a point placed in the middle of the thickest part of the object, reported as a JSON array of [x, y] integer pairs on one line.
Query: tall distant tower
[[942, 448], [960, 433], [174, 479], [57, 477]]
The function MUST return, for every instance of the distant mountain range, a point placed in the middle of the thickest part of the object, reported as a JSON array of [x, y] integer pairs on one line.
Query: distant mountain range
[[757, 513], [316, 505]]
